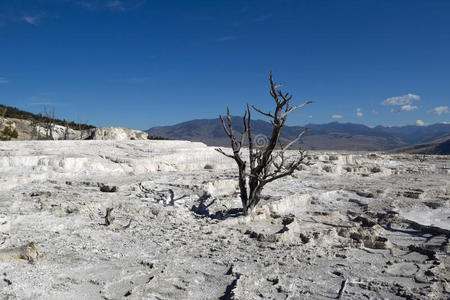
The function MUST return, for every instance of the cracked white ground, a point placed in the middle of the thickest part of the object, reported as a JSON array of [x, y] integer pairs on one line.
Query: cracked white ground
[[380, 223]]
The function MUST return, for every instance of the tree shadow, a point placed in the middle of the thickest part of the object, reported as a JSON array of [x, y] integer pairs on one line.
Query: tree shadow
[[416, 233], [203, 209]]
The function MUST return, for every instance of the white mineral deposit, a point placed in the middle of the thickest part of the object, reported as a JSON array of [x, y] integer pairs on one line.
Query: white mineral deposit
[[160, 220]]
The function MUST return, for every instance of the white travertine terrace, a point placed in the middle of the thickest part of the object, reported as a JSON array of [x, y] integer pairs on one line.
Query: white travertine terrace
[[379, 222], [22, 162]]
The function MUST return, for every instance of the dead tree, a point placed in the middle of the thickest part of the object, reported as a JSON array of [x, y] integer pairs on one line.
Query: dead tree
[[80, 128], [66, 130], [34, 134], [49, 115], [265, 164]]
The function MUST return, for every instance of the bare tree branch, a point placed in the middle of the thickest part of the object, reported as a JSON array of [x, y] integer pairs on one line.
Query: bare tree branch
[[263, 113], [250, 139], [66, 130], [244, 132], [224, 127], [265, 164], [49, 115], [221, 151], [297, 139], [294, 108]]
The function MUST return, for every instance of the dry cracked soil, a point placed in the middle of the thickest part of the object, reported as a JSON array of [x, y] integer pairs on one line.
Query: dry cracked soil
[[161, 220]]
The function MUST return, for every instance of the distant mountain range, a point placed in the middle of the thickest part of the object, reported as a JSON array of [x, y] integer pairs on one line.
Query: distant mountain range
[[331, 136], [441, 146]]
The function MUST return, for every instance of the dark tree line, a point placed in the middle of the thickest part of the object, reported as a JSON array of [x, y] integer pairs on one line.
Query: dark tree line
[[41, 118]]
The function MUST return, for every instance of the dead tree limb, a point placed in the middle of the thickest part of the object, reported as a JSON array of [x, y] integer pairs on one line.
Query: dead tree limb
[[266, 164], [49, 114], [342, 289], [34, 134], [109, 219], [66, 130]]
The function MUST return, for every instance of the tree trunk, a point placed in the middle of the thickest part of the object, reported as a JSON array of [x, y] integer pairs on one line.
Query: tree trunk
[[243, 188], [253, 199]]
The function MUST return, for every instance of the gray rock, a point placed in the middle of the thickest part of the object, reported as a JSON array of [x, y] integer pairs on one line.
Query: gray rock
[[117, 134]]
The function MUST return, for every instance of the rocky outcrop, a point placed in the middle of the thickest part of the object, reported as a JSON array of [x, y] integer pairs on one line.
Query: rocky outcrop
[[20, 126], [117, 134], [59, 132], [27, 130], [31, 131]]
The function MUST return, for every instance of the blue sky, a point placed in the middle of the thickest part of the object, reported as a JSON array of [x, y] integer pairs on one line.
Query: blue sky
[[145, 63]]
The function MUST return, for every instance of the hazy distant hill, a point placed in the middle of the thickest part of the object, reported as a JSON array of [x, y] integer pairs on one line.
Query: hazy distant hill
[[331, 136], [440, 146]]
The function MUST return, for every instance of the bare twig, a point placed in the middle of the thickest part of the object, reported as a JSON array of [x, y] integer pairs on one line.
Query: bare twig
[[296, 140], [294, 108], [221, 151], [49, 115], [263, 113], [66, 130]]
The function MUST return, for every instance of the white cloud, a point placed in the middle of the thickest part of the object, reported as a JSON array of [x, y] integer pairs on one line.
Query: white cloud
[[420, 123], [401, 100], [359, 112], [33, 20], [439, 110], [336, 117], [445, 122], [310, 116], [408, 107], [3, 80], [404, 108]]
